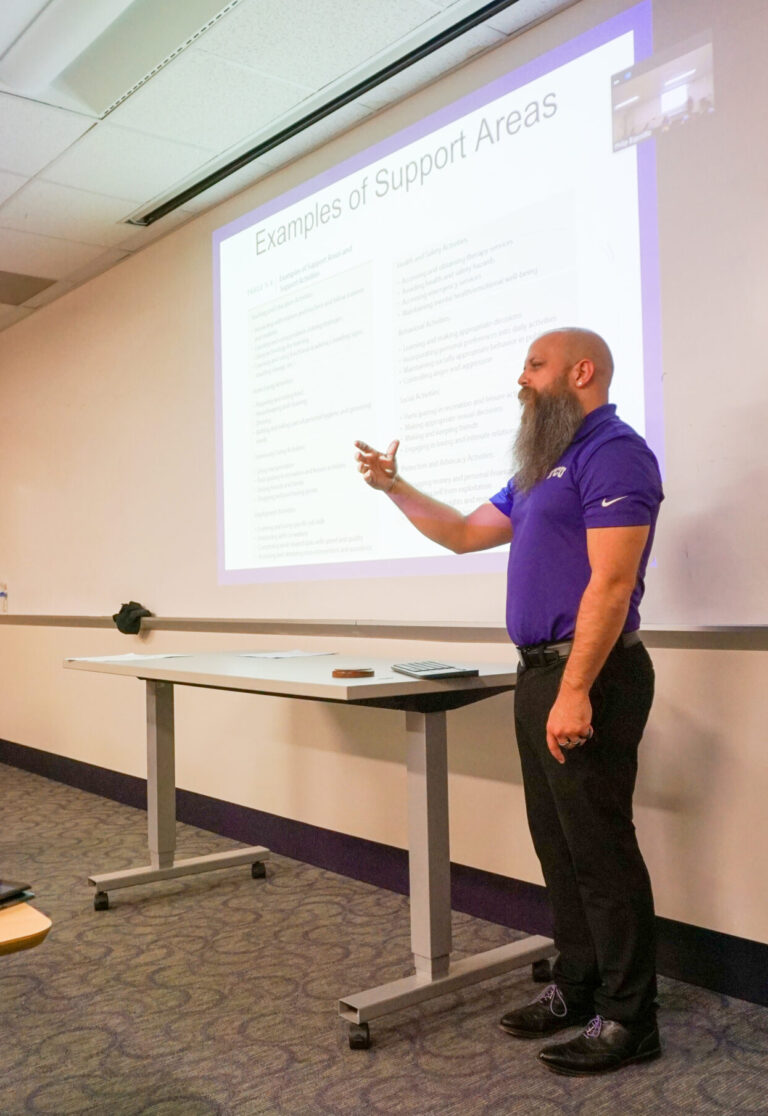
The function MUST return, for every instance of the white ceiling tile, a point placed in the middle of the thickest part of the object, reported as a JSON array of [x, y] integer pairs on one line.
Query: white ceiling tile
[[324, 41], [138, 237], [458, 9], [53, 210], [14, 18], [432, 67], [50, 294], [525, 12], [9, 184], [325, 130], [202, 100], [32, 134], [46, 256], [124, 163], [9, 315], [515, 15]]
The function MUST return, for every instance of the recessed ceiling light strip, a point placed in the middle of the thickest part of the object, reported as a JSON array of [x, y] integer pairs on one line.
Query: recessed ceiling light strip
[[429, 47]]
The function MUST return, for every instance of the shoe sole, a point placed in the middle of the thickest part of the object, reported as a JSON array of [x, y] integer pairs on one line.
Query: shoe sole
[[650, 1056], [519, 1033]]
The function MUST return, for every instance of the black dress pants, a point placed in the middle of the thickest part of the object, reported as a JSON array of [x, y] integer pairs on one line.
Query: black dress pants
[[580, 816]]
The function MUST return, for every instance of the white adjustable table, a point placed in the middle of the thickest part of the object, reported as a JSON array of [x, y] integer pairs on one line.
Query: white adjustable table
[[425, 704]]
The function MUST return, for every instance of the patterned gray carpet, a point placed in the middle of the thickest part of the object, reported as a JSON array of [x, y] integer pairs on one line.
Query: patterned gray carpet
[[216, 996]]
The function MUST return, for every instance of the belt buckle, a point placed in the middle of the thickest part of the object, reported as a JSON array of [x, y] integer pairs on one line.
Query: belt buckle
[[537, 656], [540, 656]]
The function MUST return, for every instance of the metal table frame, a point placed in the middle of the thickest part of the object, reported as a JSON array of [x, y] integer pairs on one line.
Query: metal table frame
[[425, 705], [161, 812]]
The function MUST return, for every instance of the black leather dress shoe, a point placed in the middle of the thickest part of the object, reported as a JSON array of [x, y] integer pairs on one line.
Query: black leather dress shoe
[[605, 1045], [547, 1014]]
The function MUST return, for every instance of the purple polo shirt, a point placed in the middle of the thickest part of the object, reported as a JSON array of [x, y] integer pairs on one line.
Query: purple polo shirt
[[608, 477]]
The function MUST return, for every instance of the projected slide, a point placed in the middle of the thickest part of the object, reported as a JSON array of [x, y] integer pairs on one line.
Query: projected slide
[[396, 295]]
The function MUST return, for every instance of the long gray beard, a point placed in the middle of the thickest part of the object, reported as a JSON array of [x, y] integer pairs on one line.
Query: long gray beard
[[547, 427]]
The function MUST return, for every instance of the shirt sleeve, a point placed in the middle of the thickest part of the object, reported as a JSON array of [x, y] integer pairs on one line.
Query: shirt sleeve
[[620, 485], [504, 498]]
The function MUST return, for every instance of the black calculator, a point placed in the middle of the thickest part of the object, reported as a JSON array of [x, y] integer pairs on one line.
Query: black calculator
[[430, 669]]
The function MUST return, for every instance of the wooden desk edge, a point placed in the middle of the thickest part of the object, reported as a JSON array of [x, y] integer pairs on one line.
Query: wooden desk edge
[[32, 928]]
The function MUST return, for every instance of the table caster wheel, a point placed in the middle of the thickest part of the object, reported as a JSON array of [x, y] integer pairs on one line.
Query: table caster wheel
[[541, 971], [101, 901], [258, 870], [359, 1036]]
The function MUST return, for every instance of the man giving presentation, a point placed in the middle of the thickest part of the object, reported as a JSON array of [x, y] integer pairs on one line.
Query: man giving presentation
[[580, 514]]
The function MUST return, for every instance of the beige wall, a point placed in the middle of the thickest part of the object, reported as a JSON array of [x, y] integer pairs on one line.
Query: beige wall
[[107, 471]]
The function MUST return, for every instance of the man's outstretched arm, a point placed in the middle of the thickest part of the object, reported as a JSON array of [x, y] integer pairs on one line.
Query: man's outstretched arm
[[482, 529]]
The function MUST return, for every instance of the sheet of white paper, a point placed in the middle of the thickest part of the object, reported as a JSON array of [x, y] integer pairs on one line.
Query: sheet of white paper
[[131, 657], [282, 654]]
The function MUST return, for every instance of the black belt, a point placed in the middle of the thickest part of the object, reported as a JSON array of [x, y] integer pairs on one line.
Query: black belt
[[545, 654]]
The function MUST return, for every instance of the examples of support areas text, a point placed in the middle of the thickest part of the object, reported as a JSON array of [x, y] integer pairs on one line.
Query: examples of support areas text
[[409, 175]]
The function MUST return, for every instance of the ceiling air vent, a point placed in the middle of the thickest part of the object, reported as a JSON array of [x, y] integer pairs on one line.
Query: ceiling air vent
[[90, 55]]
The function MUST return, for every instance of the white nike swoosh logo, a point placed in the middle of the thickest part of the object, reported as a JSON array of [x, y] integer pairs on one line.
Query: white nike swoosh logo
[[607, 503]]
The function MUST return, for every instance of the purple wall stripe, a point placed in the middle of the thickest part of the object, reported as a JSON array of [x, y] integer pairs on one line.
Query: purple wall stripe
[[721, 962]]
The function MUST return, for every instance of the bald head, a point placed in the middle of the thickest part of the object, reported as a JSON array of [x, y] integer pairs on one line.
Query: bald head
[[586, 345], [574, 360]]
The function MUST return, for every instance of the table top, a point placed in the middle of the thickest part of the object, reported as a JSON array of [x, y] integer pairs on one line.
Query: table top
[[309, 676]]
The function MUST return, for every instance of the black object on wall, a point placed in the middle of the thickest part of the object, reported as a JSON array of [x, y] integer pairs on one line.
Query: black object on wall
[[129, 618]]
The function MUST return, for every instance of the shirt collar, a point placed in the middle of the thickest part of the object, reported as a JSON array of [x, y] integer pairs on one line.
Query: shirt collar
[[593, 420]]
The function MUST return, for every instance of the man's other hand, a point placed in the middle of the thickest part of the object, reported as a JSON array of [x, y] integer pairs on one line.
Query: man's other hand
[[570, 722], [379, 469]]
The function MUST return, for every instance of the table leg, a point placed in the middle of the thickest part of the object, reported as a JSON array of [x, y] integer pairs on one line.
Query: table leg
[[430, 879], [429, 862], [161, 812], [161, 775]]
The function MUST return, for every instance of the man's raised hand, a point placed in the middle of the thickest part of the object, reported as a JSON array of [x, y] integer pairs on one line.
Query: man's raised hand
[[379, 469]]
